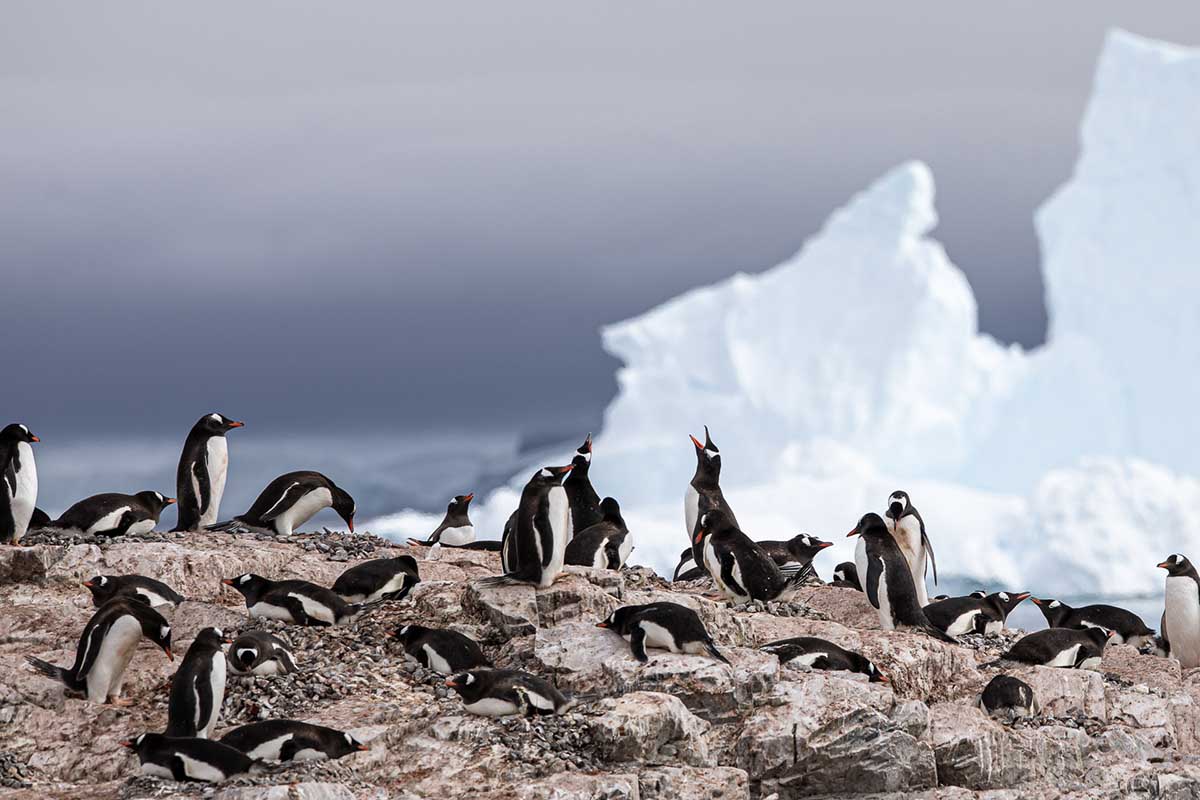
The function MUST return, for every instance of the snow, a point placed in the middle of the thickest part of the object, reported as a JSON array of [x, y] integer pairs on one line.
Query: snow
[[857, 367]]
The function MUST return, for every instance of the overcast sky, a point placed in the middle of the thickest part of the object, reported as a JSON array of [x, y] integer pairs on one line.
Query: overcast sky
[[417, 215]]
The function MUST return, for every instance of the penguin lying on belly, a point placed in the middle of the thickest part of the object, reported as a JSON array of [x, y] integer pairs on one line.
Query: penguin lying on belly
[[687, 569], [1059, 647], [505, 692], [378, 579], [115, 514], [795, 553], [973, 614], [261, 653], [294, 601], [739, 567], [845, 576], [605, 545], [1127, 627], [185, 759], [668, 626], [289, 740], [824, 655], [442, 650], [156, 593]]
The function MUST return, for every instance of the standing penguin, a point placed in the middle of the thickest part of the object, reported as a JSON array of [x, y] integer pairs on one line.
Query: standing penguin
[[106, 647], [585, 503], [378, 579], [738, 566], [114, 514], [908, 529], [291, 500], [887, 580], [704, 493], [18, 482], [198, 688], [203, 466], [1181, 616], [456, 529], [542, 527], [687, 569], [605, 545]]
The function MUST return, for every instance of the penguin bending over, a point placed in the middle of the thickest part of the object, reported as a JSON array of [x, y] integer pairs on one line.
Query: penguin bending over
[[543, 525], [1059, 647], [605, 545], [668, 626], [18, 482], [1181, 614], [105, 649], [908, 529], [261, 653], [584, 502], [378, 579], [888, 581], [739, 567], [190, 759], [795, 553], [198, 688], [203, 467], [456, 529], [1127, 627], [156, 593], [294, 601], [845, 576], [504, 692], [824, 655], [114, 514], [704, 494], [289, 740], [289, 501], [442, 650]]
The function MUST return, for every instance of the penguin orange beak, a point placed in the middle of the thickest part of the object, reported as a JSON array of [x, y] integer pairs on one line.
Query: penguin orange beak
[[350, 524], [237, 424], [823, 545], [450, 682], [1164, 565], [699, 536], [566, 469], [696, 442], [601, 624], [227, 581], [362, 747], [391, 634], [1036, 601], [169, 501], [884, 678], [88, 584], [469, 497], [33, 438], [852, 533], [127, 743], [1022, 596], [170, 657]]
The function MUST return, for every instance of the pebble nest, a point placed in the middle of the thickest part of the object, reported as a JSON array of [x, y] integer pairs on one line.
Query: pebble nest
[[14, 773]]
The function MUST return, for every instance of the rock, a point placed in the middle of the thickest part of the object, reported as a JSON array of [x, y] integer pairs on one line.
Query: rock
[[27, 564], [1126, 663], [1065, 692], [639, 725], [687, 783], [922, 667], [512, 609]]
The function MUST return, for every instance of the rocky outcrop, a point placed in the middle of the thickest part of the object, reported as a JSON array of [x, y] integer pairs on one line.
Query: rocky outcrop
[[680, 726]]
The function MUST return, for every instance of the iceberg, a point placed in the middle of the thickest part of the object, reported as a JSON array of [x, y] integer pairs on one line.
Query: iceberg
[[857, 367]]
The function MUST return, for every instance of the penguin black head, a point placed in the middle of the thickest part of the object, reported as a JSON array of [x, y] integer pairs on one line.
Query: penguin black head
[[245, 656], [407, 633], [212, 637], [1005, 602], [583, 454], [157, 631], [898, 503], [343, 504], [1177, 565], [868, 668], [870, 525], [102, 588], [469, 685], [344, 745], [619, 620], [550, 476], [248, 584], [216, 424], [1053, 610], [805, 547], [611, 510], [16, 432], [708, 457], [459, 503], [143, 742], [712, 523], [155, 501], [1099, 636]]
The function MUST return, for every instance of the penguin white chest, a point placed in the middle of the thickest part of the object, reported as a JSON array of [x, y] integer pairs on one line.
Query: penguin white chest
[[217, 462], [107, 522], [314, 608], [456, 537], [205, 727], [658, 636], [116, 650], [302, 511], [560, 526], [1183, 620], [691, 510], [23, 500], [624, 549], [270, 750], [435, 661]]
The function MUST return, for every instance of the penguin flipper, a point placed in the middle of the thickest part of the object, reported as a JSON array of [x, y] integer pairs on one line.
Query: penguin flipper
[[935, 633], [874, 573], [200, 473], [928, 545], [728, 579], [299, 615], [714, 652], [637, 644], [289, 499], [179, 770], [204, 704]]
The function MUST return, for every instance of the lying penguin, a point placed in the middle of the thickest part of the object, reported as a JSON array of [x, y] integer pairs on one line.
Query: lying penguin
[[845, 576], [1127, 627], [289, 740], [182, 759], [821, 654], [974, 613], [378, 579], [1008, 697], [295, 601], [1059, 647], [668, 626], [504, 692], [261, 653], [605, 545], [795, 553], [442, 650], [156, 593]]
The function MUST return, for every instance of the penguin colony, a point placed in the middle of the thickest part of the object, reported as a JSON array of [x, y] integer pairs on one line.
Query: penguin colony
[[560, 520]]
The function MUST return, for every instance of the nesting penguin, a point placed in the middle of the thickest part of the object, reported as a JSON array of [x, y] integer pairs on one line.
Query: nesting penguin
[[584, 502], [1127, 627], [456, 529], [539, 539], [203, 468], [1006, 696], [908, 529], [1059, 647], [973, 613], [106, 647], [845, 576], [738, 566], [115, 514], [198, 688], [667, 626], [156, 593], [795, 553], [504, 692], [378, 579], [291, 500], [295, 601], [704, 494], [887, 580], [440, 649], [824, 655], [18, 482], [289, 740], [605, 545], [1181, 614], [190, 759], [261, 653]]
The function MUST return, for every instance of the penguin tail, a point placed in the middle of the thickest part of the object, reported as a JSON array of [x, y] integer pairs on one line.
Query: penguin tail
[[715, 653], [507, 579], [47, 669], [800, 577], [223, 527], [937, 633], [419, 543]]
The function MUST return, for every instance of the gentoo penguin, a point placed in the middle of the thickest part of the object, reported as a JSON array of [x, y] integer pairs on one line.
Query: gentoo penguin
[[295, 601], [738, 566], [203, 466], [605, 545], [261, 653], [114, 514], [585, 503], [440, 649], [667, 626], [845, 576], [821, 654], [704, 494], [18, 474], [139, 587], [1181, 615], [106, 647], [687, 569], [190, 759], [289, 501], [39, 520], [1059, 647], [1127, 627], [508, 543], [198, 688], [888, 581], [503, 692], [973, 614], [378, 579], [795, 553], [289, 740], [542, 528], [456, 529], [907, 527], [1008, 697]]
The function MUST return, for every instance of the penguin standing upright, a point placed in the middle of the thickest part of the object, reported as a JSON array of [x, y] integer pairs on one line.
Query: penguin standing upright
[[542, 527], [1181, 614], [585, 503], [605, 545], [114, 514], [908, 529], [888, 581], [704, 494], [456, 529], [738, 566], [203, 466], [106, 647], [198, 688], [289, 501], [18, 482]]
